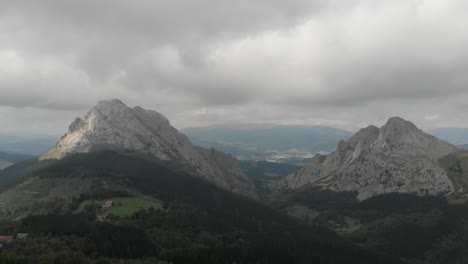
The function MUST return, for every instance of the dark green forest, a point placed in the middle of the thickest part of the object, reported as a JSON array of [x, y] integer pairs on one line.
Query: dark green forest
[[264, 174], [199, 223], [417, 229]]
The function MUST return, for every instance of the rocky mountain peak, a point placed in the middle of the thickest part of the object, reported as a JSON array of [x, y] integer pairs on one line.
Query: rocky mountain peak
[[402, 137], [396, 127], [112, 125], [369, 131], [398, 157], [365, 135], [113, 103], [399, 123], [109, 107]]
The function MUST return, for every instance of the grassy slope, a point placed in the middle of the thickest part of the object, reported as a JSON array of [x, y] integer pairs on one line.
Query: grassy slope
[[125, 206]]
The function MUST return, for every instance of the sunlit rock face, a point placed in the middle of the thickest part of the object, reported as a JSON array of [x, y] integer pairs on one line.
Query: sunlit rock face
[[112, 125], [398, 157]]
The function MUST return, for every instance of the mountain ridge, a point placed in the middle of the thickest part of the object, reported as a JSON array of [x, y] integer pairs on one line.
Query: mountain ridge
[[398, 157], [111, 125], [454, 135], [294, 144]]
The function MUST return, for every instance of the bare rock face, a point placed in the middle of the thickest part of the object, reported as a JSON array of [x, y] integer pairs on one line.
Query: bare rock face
[[398, 157], [112, 125]]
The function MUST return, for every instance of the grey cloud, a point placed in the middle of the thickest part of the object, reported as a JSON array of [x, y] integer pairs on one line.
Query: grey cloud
[[162, 18], [318, 62], [105, 37]]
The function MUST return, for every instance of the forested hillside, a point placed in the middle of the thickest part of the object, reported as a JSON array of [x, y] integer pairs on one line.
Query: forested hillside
[[198, 223]]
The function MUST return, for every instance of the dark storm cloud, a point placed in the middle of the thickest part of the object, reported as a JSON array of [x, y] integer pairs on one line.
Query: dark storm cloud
[[318, 62]]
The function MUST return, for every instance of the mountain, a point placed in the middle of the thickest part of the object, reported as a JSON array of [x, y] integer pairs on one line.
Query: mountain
[[5, 164], [111, 125], [397, 157], [454, 135], [31, 145], [290, 144]]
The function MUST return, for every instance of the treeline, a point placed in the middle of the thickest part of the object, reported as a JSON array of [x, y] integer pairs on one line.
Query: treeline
[[387, 203], [436, 236], [395, 202], [420, 229], [183, 235], [102, 239]]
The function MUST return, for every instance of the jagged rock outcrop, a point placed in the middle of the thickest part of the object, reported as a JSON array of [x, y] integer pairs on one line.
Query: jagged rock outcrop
[[113, 125], [398, 157]]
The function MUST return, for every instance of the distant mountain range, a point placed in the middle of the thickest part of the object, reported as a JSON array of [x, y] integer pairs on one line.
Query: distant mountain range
[[454, 135], [14, 157], [33, 145], [289, 144], [8, 159]]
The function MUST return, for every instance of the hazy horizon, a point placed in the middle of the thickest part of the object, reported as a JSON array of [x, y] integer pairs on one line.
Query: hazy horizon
[[340, 64], [224, 125]]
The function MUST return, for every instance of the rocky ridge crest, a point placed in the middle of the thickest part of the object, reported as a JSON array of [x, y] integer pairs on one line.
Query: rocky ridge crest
[[398, 157], [112, 125]]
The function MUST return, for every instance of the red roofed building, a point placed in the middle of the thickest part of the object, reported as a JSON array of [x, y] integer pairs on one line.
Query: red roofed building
[[5, 239], [108, 203]]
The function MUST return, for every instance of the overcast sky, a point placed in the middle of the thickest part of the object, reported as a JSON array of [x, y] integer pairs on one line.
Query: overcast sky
[[339, 63]]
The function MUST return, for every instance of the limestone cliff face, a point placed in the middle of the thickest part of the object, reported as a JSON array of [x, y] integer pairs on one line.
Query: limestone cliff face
[[112, 125], [398, 157]]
